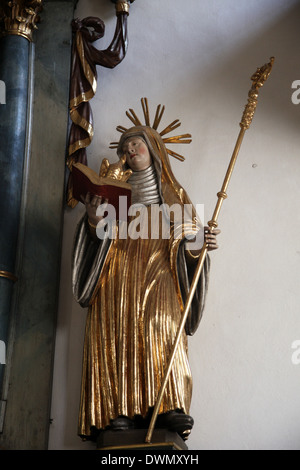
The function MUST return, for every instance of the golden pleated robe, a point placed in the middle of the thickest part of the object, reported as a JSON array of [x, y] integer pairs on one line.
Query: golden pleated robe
[[132, 323]]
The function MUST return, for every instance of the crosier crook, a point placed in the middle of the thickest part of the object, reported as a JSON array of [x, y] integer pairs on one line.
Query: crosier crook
[[258, 80]]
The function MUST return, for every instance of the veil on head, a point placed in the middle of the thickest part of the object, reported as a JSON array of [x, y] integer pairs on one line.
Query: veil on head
[[170, 190]]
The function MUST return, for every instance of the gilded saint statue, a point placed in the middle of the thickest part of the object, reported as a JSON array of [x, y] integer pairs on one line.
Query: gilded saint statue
[[135, 288]]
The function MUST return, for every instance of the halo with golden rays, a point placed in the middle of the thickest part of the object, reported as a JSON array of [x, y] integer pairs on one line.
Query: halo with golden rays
[[178, 139]]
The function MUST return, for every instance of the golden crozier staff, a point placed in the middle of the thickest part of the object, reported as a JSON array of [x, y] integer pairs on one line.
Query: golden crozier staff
[[258, 80]]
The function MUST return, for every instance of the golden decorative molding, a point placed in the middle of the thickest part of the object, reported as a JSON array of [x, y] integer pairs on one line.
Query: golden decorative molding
[[8, 275], [122, 7], [19, 17]]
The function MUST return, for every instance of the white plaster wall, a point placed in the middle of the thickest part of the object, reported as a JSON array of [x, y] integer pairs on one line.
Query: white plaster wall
[[196, 57]]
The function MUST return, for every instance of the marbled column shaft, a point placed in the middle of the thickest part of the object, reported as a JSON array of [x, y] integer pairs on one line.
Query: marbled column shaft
[[14, 70]]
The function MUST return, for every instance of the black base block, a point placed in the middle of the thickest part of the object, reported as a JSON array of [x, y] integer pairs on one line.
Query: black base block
[[134, 439]]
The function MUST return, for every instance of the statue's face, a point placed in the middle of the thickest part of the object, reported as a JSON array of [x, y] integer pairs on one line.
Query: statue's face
[[137, 154]]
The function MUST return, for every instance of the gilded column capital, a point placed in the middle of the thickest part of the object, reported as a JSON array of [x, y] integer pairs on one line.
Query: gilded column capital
[[19, 17]]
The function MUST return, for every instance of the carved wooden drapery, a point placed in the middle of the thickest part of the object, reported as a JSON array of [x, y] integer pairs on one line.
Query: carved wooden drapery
[[85, 58]]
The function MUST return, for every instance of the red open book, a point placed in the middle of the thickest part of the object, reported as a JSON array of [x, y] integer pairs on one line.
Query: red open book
[[87, 180]]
